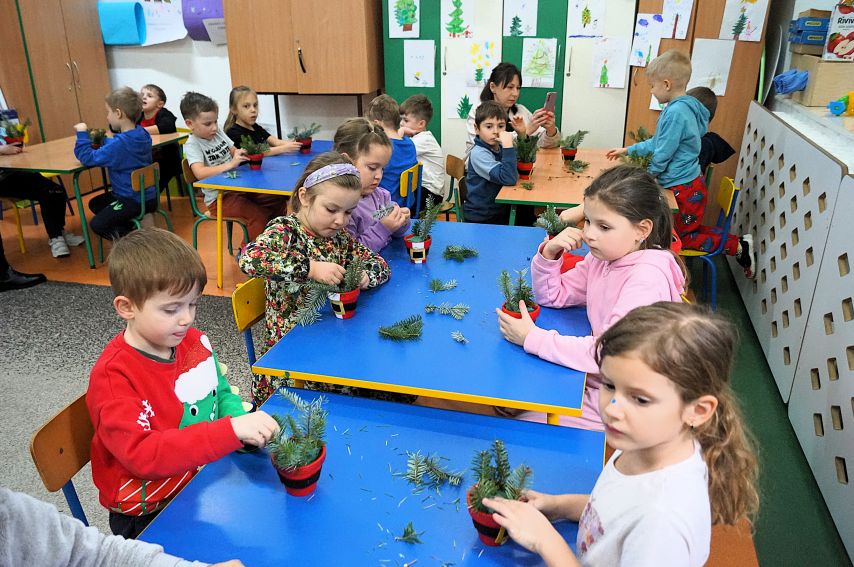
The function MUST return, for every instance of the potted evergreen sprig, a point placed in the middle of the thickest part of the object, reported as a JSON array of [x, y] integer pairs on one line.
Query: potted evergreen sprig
[[494, 478], [553, 225], [254, 151], [303, 134], [97, 137], [516, 290], [418, 243], [15, 131], [526, 155], [298, 450], [569, 145], [342, 297]]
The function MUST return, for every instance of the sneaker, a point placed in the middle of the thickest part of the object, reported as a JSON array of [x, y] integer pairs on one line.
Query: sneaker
[[58, 247], [72, 239], [747, 257]]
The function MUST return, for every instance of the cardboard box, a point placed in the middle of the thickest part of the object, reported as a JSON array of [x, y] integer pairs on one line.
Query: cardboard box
[[807, 48], [808, 37], [811, 23], [814, 13], [827, 81], [840, 33]]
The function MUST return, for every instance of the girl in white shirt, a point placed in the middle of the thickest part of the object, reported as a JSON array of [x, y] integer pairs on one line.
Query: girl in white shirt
[[504, 86], [683, 459]]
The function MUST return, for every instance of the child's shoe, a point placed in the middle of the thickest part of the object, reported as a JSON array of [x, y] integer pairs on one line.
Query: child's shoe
[[72, 239], [746, 256], [58, 247]]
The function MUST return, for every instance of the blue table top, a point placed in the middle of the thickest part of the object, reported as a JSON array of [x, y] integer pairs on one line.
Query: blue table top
[[278, 174], [487, 370], [237, 508]]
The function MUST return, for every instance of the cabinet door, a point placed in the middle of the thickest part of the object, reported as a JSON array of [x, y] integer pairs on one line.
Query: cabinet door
[[338, 42], [261, 44], [88, 60]]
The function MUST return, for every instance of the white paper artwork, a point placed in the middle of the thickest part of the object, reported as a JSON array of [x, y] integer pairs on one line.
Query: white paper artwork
[[480, 58], [647, 37], [743, 20], [710, 64], [610, 62], [677, 15], [520, 17], [404, 18], [538, 62], [457, 18], [586, 18], [461, 97], [419, 63]]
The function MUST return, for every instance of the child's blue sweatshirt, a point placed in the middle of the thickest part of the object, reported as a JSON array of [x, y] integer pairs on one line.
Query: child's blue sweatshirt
[[488, 171], [676, 143], [121, 155]]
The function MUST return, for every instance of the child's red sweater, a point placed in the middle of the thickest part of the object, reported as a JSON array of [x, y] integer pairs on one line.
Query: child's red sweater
[[156, 423]]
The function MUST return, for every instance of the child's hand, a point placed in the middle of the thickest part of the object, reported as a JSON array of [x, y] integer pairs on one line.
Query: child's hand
[[395, 219], [404, 131], [574, 215], [364, 281], [568, 239], [12, 149], [524, 523], [238, 158], [518, 124], [506, 139], [545, 503], [289, 147], [515, 330], [328, 273], [255, 428], [616, 152], [81, 127]]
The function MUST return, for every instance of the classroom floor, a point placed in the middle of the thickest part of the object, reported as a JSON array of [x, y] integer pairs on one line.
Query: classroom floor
[[47, 360]]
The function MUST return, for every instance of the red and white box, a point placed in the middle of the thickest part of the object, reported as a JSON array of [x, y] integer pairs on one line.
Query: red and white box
[[840, 34]]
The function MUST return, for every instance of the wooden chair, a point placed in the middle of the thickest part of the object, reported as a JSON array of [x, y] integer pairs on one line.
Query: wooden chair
[[190, 178], [726, 199], [410, 187], [456, 169], [60, 448], [17, 213]]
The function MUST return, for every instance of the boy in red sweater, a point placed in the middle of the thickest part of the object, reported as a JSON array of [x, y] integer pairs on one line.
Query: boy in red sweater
[[159, 404]]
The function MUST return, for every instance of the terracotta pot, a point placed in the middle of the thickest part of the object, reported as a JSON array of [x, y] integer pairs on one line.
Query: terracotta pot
[[306, 145], [534, 313], [407, 27], [568, 155], [524, 169], [417, 250], [14, 139], [488, 530], [255, 161], [302, 481], [344, 303]]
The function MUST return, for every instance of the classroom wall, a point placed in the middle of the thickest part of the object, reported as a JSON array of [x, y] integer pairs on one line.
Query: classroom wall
[[184, 65]]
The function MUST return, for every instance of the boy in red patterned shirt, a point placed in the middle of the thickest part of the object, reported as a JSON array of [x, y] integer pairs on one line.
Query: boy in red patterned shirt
[[160, 406]]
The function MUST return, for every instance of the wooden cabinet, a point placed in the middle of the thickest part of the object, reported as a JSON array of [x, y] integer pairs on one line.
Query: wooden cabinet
[[53, 67], [284, 46]]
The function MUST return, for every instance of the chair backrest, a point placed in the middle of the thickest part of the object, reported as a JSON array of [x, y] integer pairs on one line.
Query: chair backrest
[[409, 180], [726, 199], [455, 167], [189, 177], [248, 302], [145, 177], [183, 131], [60, 448]]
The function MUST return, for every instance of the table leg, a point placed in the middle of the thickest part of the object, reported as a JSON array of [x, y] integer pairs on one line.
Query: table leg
[[84, 227], [219, 239], [512, 221], [553, 419]]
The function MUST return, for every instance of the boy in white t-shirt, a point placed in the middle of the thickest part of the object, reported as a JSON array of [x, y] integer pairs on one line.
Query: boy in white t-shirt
[[415, 114]]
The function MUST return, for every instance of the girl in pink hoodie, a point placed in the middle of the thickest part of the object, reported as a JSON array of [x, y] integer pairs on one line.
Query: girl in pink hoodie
[[627, 227]]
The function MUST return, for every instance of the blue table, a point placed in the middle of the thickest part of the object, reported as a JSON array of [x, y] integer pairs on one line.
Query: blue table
[[237, 508], [277, 176], [487, 370]]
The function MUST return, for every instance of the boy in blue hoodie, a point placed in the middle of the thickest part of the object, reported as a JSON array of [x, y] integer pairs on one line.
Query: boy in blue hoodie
[[675, 148], [491, 165], [125, 152]]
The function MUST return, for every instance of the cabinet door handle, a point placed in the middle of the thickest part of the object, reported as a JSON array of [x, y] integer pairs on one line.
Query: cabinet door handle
[[301, 63], [76, 68], [71, 84]]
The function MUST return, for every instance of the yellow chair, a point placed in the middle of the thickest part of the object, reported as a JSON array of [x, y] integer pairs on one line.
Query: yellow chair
[[410, 187], [190, 178], [17, 213], [60, 448], [456, 169], [726, 199], [247, 303]]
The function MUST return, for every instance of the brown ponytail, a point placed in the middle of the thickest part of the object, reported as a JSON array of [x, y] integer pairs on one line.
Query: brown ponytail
[[356, 136]]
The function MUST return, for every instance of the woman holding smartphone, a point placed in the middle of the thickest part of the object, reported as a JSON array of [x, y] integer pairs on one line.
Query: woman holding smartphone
[[504, 86]]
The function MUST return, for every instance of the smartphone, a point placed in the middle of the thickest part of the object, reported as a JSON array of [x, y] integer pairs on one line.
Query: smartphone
[[551, 97]]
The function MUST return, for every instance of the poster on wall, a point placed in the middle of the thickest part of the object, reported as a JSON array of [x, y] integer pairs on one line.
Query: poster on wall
[[586, 18], [458, 18], [419, 63], [677, 15], [520, 17], [142, 22], [610, 62], [743, 20], [196, 12], [710, 63], [539, 55], [479, 62], [403, 18], [461, 98], [647, 38]]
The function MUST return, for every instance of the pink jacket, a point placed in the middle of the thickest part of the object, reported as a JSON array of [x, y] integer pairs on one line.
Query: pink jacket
[[610, 290]]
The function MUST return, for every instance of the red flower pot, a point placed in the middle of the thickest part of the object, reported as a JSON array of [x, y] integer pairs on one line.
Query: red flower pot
[[569, 260], [568, 155], [534, 313], [524, 170], [255, 161], [344, 303], [488, 530], [306, 145], [14, 139], [417, 250], [302, 481], [407, 27]]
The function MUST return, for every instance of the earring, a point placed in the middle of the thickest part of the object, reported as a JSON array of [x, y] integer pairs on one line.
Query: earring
[[613, 400], [691, 425]]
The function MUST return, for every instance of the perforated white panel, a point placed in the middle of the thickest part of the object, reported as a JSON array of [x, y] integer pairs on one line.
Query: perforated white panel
[[821, 408], [789, 189]]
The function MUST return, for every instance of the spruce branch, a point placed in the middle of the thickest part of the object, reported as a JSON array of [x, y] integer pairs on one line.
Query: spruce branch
[[551, 222], [300, 439], [437, 285], [424, 225], [380, 214], [457, 311], [404, 330], [420, 467], [459, 253], [498, 479], [576, 166], [409, 535], [459, 337], [515, 291]]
